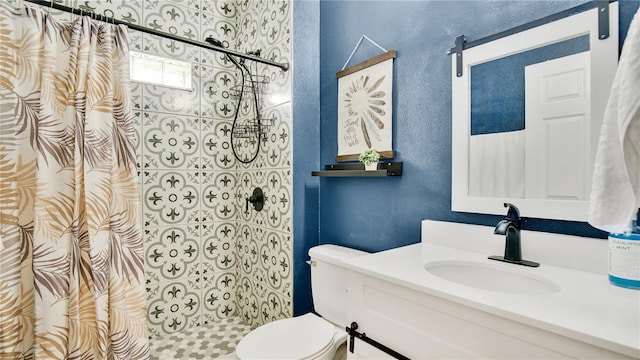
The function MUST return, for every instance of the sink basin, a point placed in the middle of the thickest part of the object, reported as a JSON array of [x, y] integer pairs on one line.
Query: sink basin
[[491, 277]]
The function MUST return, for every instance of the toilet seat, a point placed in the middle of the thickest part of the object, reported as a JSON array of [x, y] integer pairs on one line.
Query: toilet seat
[[303, 337]]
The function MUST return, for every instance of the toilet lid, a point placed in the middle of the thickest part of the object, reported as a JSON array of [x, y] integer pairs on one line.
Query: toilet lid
[[294, 338]]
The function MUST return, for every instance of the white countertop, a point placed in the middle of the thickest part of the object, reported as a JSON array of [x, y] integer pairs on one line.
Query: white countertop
[[587, 308]]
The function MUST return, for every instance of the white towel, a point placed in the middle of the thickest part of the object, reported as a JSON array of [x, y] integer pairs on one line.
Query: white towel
[[496, 165], [615, 195]]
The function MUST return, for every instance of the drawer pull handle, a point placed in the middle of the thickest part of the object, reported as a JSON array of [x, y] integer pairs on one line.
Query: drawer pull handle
[[362, 336]]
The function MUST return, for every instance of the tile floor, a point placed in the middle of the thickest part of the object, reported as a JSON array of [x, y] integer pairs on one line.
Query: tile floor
[[213, 341]]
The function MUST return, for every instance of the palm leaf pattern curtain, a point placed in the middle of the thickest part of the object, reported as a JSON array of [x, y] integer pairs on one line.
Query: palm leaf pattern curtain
[[71, 250]]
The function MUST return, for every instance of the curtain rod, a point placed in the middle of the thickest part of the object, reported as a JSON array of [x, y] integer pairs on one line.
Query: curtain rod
[[53, 5]]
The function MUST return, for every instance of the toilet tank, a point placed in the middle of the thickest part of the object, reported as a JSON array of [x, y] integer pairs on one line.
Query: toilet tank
[[329, 281]]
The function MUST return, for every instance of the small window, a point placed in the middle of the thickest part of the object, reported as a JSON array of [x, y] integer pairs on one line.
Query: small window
[[157, 70]]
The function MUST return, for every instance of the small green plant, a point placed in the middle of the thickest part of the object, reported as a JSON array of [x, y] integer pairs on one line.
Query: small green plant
[[369, 157]]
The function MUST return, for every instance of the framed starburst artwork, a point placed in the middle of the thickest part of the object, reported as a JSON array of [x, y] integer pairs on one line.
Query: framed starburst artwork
[[365, 108]]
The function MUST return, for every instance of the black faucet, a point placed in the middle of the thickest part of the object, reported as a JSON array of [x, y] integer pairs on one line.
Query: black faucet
[[510, 227]]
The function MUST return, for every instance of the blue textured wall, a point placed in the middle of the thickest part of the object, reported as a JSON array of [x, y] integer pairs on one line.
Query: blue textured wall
[[380, 213], [306, 145]]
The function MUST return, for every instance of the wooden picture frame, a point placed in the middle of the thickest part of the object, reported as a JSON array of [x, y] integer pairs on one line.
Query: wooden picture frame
[[365, 108]]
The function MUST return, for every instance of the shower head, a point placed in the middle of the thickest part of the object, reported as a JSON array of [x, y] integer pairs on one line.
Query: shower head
[[213, 41]]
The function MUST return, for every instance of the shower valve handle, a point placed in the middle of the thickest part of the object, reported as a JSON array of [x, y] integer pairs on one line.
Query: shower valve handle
[[257, 199]]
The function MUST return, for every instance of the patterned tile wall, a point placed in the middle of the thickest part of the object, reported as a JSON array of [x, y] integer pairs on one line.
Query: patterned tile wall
[[265, 248], [206, 259]]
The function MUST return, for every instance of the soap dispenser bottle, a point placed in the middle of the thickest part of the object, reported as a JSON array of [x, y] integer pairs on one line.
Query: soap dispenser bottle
[[624, 257]]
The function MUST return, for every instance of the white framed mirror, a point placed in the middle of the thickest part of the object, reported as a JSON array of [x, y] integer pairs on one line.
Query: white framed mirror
[[526, 118]]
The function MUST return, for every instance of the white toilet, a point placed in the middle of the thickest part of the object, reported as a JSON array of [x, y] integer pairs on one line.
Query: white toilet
[[308, 336]]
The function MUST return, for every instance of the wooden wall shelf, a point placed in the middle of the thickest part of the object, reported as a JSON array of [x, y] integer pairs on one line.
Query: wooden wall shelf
[[352, 170]]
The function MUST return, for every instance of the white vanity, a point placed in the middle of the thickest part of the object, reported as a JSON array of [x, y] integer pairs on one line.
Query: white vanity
[[443, 299]]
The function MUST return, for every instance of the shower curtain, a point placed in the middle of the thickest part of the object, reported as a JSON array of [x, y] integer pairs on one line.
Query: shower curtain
[[71, 250]]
